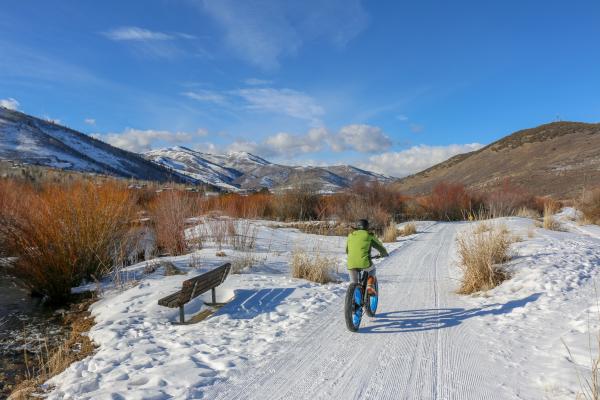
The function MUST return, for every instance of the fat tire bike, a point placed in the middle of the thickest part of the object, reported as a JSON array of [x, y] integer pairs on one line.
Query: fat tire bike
[[358, 298]]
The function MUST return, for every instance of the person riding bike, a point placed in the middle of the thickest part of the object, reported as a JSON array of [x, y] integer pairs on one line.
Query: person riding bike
[[358, 249]]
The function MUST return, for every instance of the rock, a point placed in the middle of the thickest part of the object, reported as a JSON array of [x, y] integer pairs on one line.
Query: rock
[[170, 269]]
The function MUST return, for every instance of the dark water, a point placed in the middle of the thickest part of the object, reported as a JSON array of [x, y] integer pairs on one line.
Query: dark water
[[26, 325]]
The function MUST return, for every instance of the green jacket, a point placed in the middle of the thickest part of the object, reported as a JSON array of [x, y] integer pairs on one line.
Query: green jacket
[[358, 248]]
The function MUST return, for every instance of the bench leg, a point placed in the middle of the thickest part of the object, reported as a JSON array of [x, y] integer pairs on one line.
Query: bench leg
[[214, 296], [181, 315]]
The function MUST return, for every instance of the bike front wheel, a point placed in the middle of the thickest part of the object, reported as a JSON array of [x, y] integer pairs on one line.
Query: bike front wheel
[[353, 307]]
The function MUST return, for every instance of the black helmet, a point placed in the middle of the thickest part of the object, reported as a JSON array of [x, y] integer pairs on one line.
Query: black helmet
[[362, 224]]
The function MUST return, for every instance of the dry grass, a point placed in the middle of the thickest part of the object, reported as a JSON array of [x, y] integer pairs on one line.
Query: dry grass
[[391, 232], [410, 228], [481, 258], [549, 221], [526, 212], [51, 362], [317, 268], [482, 227], [242, 262], [64, 234]]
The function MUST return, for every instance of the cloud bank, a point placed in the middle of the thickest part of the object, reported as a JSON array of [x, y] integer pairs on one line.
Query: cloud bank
[[140, 141], [415, 159]]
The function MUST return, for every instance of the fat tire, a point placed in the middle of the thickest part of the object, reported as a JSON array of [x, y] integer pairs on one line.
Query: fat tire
[[368, 301], [349, 308]]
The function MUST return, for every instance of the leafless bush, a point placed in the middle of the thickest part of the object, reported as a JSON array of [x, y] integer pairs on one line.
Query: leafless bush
[[217, 230], [481, 258], [170, 210], [63, 234], [589, 205], [242, 236], [316, 268], [296, 204]]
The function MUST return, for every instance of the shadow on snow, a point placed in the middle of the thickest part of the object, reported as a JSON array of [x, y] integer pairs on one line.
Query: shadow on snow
[[249, 303], [432, 319]]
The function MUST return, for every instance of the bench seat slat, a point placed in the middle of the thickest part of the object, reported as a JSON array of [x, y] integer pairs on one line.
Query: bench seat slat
[[196, 286]]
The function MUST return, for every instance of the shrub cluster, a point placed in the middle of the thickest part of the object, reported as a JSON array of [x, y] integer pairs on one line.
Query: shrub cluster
[[169, 211], [64, 234], [589, 205]]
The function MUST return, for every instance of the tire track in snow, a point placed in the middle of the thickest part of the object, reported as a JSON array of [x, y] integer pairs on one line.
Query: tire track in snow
[[417, 348]]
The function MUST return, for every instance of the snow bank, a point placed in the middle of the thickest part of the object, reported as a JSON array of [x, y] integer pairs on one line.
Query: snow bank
[[552, 293], [142, 355]]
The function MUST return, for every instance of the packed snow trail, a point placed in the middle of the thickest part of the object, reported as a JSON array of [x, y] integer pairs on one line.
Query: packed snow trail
[[419, 346]]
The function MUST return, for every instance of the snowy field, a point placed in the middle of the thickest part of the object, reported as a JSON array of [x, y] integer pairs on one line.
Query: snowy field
[[280, 337]]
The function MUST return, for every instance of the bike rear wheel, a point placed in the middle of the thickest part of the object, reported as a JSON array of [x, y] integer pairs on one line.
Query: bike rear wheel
[[353, 307], [372, 302]]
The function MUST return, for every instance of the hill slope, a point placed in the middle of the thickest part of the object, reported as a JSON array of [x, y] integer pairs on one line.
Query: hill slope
[[31, 140], [555, 159]]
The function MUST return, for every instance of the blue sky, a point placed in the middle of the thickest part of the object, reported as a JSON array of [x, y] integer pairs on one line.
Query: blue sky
[[388, 85]]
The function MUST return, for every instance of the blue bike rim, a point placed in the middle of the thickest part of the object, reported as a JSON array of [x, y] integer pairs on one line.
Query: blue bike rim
[[357, 314]]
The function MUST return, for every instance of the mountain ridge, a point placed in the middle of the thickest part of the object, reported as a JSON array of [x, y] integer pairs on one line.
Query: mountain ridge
[[558, 159], [246, 171]]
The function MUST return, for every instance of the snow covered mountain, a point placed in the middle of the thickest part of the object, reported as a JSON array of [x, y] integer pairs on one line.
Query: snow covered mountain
[[31, 140], [241, 170]]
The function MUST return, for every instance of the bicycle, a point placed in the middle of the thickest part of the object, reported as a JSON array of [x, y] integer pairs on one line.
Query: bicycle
[[357, 298]]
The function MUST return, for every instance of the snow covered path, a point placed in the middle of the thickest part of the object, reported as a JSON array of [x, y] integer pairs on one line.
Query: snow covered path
[[420, 346]]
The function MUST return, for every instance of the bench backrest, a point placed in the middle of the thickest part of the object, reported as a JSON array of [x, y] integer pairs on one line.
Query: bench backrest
[[194, 287]]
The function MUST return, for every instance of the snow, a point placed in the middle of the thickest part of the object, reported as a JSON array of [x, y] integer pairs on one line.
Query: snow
[[281, 337]]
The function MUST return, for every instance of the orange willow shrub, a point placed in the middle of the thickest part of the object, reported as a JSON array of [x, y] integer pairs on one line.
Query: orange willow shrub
[[169, 211], [449, 201], [65, 234], [256, 205]]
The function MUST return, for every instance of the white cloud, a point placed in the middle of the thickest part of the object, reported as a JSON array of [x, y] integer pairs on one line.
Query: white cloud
[[361, 138], [415, 159], [135, 33], [153, 43], [208, 147], [271, 100], [401, 117], [283, 101], [90, 121], [261, 32], [207, 96], [139, 141], [10, 103]]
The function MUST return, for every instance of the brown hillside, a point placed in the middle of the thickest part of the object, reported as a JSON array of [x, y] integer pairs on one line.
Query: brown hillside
[[556, 159]]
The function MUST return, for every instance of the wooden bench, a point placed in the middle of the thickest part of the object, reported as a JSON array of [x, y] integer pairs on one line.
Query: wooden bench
[[194, 287]]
